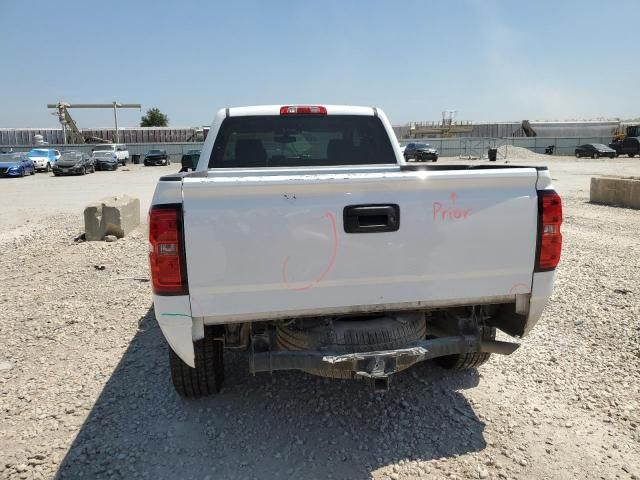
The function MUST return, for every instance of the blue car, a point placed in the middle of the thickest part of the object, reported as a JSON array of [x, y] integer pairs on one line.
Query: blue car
[[16, 165]]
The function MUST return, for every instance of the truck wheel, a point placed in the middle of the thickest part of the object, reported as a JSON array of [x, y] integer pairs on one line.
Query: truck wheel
[[207, 377], [464, 361], [350, 335]]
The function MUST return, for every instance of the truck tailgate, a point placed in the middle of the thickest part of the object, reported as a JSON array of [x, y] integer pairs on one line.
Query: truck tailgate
[[267, 246]]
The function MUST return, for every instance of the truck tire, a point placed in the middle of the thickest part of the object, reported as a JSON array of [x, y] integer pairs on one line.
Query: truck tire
[[207, 377], [465, 361], [350, 335]]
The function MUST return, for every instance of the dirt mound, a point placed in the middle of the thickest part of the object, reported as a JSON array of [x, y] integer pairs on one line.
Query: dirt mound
[[518, 153]]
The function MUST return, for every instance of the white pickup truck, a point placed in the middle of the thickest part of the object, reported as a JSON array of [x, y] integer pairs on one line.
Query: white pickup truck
[[304, 239], [119, 150]]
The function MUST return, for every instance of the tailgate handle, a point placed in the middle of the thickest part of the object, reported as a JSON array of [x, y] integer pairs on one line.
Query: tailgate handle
[[371, 218]]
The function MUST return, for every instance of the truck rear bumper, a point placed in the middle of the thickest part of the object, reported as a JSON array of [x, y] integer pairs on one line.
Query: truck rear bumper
[[181, 329], [542, 288], [379, 364]]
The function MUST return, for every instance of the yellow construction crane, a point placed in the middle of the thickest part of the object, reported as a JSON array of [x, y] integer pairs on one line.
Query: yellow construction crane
[[624, 131], [68, 124]]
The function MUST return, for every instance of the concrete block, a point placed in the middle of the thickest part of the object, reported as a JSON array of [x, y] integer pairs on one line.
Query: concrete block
[[616, 191], [111, 216]]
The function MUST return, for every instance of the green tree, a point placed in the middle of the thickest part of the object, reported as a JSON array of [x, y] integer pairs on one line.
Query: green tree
[[154, 118]]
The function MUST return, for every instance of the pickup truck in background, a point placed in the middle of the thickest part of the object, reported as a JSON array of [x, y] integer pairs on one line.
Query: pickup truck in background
[[119, 150], [307, 241], [629, 146]]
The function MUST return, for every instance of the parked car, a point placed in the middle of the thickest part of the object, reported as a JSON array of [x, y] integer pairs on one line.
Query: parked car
[[16, 165], [629, 146], [190, 160], [420, 152], [121, 151], [594, 150], [156, 157], [105, 160], [372, 265], [74, 163], [43, 158]]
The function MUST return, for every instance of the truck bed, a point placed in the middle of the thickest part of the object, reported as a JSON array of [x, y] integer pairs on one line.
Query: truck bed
[[272, 243]]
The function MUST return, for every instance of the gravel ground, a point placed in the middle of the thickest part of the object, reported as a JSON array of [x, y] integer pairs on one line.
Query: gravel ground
[[85, 391], [42, 195]]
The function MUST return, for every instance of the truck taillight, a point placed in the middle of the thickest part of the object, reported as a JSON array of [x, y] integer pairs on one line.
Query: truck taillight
[[549, 235], [166, 256], [303, 110]]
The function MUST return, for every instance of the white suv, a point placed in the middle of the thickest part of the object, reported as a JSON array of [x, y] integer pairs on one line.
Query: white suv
[[119, 149]]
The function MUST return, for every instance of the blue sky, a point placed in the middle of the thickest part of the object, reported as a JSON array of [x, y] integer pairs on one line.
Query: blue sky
[[489, 60]]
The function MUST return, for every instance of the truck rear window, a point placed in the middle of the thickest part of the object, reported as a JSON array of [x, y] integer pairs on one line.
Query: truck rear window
[[291, 141]]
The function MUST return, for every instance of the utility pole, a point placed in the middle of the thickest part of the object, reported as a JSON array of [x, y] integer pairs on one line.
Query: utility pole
[[115, 119]]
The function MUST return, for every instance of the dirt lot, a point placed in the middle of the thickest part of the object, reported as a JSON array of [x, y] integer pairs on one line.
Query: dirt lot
[[85, 393], [42, 195]]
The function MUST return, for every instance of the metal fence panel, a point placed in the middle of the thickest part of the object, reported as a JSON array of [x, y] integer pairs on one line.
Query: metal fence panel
[[448, 147]]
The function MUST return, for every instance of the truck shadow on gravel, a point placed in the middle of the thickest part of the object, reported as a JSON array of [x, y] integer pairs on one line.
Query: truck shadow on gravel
[[291, 425]]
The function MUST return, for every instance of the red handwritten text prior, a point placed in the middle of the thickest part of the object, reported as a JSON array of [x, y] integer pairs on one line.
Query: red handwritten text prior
[[449, 211]]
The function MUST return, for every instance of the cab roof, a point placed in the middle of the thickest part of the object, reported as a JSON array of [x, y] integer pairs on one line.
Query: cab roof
[[275, 109]]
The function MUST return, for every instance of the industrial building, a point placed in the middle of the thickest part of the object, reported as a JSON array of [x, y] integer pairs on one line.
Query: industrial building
[[564, 129], [449, 137], [525, 128]]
